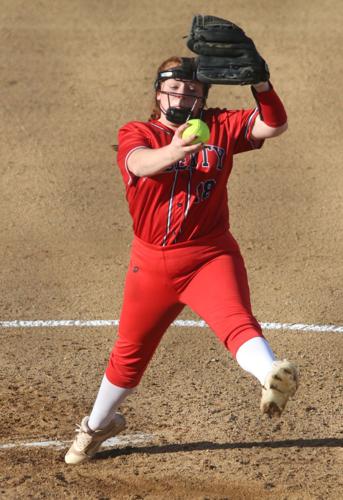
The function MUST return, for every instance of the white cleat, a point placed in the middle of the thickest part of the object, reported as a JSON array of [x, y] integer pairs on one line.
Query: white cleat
[[87, 442], [281, 383]]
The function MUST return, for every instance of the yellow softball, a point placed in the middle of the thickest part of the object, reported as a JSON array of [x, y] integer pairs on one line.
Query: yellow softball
[[199, 128]]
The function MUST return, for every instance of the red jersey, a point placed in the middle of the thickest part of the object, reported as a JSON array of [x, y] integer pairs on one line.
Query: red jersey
[[188, 200]]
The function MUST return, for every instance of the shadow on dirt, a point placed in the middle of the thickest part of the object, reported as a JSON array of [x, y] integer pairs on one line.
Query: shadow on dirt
[[207, 445]]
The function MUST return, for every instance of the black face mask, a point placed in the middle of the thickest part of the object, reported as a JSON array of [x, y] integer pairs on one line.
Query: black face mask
[[178, 115]]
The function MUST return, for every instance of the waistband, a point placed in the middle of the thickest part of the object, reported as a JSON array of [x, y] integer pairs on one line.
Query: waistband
[[213, 239]]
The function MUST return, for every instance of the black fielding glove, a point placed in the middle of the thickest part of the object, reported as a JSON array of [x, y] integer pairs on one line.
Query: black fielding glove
[[226, 55]]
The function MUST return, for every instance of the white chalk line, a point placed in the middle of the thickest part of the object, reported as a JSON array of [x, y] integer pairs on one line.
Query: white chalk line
[[118, 441], [135, 438], [302, 327]]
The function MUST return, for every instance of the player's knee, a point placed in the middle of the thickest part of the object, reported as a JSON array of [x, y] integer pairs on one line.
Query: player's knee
[[127, 363]]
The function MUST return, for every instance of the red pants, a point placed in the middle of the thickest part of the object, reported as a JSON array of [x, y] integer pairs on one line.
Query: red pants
[[208, 275]]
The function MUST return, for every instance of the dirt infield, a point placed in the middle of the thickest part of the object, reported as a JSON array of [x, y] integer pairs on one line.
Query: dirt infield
[[72, 72]]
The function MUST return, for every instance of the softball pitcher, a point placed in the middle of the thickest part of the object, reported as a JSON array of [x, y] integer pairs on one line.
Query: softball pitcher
[[183, 252]]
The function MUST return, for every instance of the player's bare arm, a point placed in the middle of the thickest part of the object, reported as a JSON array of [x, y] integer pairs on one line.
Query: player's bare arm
[[262, 131], [147, 162]]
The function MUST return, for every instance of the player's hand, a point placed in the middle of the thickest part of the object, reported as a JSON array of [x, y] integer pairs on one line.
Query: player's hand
[[180, 147]]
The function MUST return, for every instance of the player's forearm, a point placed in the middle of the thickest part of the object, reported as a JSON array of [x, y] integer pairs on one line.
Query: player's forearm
[[147, 162], [272, 119], [271, 108]]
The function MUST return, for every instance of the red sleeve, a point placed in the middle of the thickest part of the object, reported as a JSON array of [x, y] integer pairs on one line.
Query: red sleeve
[[241, 123], [131, 137]]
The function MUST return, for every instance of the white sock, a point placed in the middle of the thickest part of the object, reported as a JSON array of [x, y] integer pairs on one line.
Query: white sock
[[108, 399], [256, 357]]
